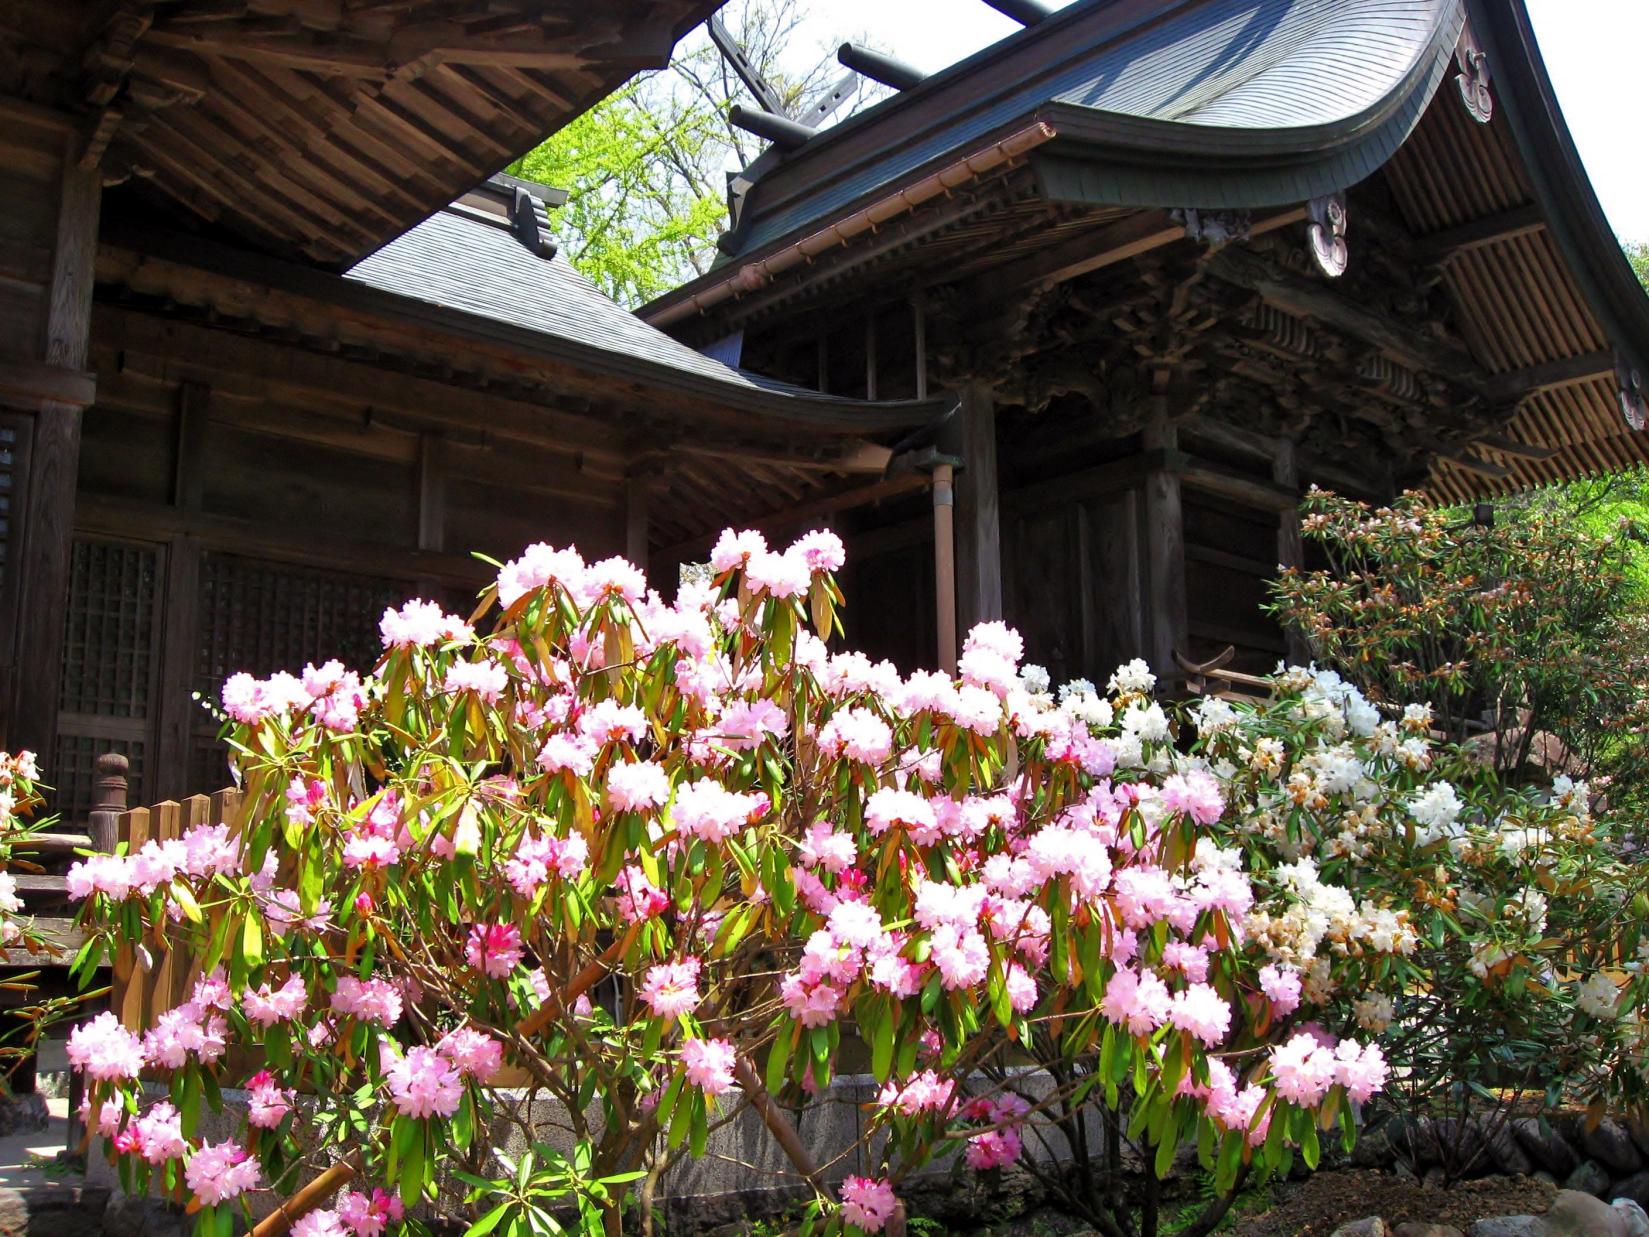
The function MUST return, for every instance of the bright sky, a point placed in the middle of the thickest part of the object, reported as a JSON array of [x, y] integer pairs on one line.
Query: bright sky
[[1594, 50]]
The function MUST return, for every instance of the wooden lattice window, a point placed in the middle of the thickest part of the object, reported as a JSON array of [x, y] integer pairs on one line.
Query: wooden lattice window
[[110, 666], [261, 616]]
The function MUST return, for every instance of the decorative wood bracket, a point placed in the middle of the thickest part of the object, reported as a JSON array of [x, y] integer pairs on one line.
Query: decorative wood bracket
[[1215, 228], [1327, 231], [1473, 78], [1632, 402]]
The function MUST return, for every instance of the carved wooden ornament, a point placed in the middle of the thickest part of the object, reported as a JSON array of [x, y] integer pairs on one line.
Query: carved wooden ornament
[[1473, 78], [1327, 231], [1215, 228], [1632, 402]]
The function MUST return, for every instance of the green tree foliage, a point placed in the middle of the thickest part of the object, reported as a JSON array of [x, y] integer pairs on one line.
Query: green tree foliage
[[1526, 638], [646, 169]]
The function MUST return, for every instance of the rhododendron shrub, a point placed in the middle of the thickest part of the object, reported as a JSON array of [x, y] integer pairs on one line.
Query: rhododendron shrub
[[653, 861], [1398, 890]]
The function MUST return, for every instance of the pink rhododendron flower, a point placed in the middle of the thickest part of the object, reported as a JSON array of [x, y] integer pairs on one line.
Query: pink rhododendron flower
[[371, 1000], [923, 1092], [1303, 1069], [735, 549], [486, 679], [1362, 1071], [1196, 794], [993, 1149], [637, 787], [745, 724], [821, 550], [709, 1065], [1281, 985], [474, 1054], [217, 1172], [671, 988], [494, 949], [266, 1103], [857, 734], [1202, 1012], [867, 1203], [708, 810], [637, 897], [835, 852], [160, 1133], [1138, 1000], [421, 624], [105, 1050], [887, 808], [424, 1083], [322, 1223], [370, 1216]]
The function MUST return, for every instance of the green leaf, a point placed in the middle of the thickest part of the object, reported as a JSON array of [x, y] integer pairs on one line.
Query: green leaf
[[778, 1058], [488, 1222]]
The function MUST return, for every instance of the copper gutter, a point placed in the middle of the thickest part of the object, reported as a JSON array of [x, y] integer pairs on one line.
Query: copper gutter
[[755, 275]]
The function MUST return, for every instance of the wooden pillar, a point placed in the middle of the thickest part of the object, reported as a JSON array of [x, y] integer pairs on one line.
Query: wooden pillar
[[944, 565], [1290, 550], [636, 543], [1166, 613], [432, 494], [46, 377], [978, 517]]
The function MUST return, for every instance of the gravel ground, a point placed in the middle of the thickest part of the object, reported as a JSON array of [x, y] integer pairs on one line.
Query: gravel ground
[[1327, 1200]]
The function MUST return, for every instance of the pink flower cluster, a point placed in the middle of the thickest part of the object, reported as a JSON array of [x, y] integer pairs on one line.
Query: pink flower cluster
[[709, 1065], [494, 949], [867, 1203], [422, 624], [1305, 1067], [671, 989], [201, 852], [218, 1172]]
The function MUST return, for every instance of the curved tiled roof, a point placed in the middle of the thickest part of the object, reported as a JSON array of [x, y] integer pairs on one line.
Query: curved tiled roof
[[1311, 94]]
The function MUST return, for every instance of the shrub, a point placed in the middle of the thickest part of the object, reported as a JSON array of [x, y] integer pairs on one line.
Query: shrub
[[655, 862]]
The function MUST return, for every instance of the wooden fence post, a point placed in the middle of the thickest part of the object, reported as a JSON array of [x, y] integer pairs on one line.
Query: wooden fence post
[[108, 801], [108, 804]]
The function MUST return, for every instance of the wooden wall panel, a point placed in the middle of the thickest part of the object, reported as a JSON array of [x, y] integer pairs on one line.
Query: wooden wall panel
[[48, 241]]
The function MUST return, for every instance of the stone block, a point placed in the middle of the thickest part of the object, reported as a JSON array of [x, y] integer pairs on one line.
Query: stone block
[[1547, 1148], [1589, 1178], [1611, 1145]]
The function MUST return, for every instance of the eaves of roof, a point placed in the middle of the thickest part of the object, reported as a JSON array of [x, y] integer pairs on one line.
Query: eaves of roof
[[1523, 90]]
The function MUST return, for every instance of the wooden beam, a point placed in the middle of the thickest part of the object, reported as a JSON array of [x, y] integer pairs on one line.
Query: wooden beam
[[1474, 464], [1306, 298], [978, 519], [1091, 251], [1479, 233], [30, 382], [1229, 483], [103, 516], [852, 456], [1517, 450], [1552, 375]]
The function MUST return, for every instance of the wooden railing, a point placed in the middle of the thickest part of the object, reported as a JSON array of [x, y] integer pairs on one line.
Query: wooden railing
[[139, 993]]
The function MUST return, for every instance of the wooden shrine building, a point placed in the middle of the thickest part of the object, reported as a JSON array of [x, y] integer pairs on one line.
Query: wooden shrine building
[[276, 353], [1059, 333], [1182, 258]]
